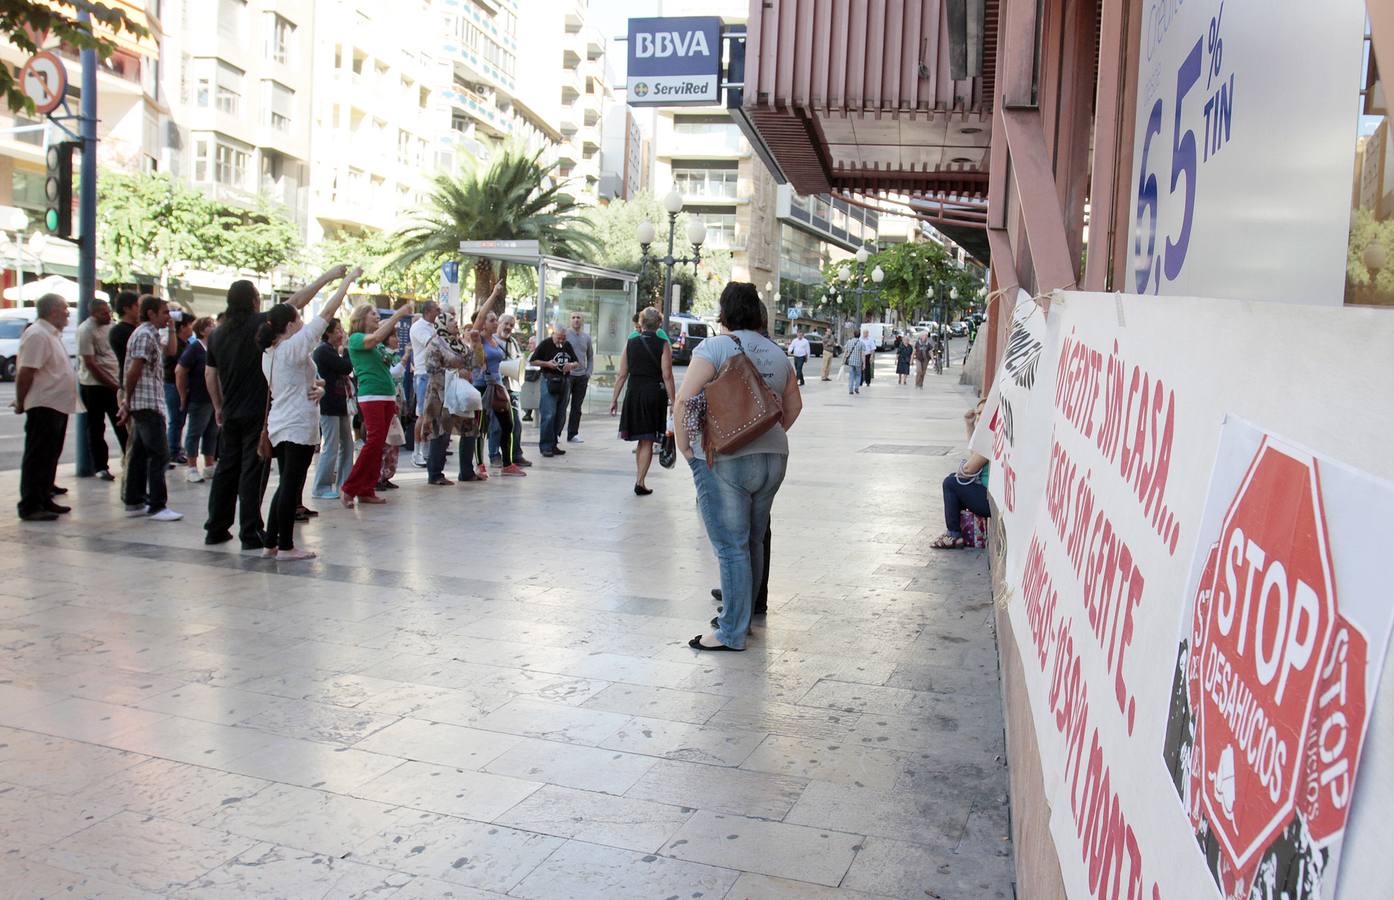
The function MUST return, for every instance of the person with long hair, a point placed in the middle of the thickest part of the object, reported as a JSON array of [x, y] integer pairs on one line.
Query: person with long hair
[[647, 369], [489, 383], [335, 422], [377, 398], [237, 387], [293, 421], [736, 491]]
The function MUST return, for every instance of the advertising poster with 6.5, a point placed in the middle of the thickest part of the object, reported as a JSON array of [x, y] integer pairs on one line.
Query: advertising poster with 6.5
[[1243, 148]]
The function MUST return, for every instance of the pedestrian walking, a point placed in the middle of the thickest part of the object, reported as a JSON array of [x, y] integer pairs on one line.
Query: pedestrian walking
[[377, 398], [853, 358], [736, 491], [238, 391], [99, 386], [827, 361], [921, 357], [556, 358], [497, 405], [182, 324], [507, 323], [902, 362], [799, 349], [422, 331], [191, 388], [292, 420], [335, 418], [578, 381], [127, 318], [145, 412], [868, 356], [45, 394], [646, 369]]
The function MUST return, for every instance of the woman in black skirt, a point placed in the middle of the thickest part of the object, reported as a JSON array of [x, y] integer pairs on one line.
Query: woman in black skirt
[[647, 368]]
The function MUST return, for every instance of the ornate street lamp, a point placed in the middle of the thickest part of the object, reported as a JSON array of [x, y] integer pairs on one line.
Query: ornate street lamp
[[861, 291], [696, 235]]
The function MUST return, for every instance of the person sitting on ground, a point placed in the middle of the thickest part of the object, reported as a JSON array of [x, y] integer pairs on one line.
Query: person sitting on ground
[[964, 489], [647, 368], [293, 421]]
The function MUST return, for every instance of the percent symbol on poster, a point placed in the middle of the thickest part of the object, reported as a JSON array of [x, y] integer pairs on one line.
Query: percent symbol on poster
[[1216, 45]]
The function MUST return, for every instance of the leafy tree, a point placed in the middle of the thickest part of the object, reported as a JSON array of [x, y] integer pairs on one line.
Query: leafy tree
[[376, 252], [59, 19], [515, 198], [149, 224], [260, 239], [1370, 241]]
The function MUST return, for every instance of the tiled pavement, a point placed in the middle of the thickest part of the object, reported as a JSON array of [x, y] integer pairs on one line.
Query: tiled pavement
[[485, 691]]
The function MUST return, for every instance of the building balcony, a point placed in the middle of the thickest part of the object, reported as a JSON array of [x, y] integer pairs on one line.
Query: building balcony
[[568, 124]]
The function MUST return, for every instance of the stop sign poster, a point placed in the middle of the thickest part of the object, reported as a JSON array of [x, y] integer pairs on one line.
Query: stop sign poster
[[1283, 636]]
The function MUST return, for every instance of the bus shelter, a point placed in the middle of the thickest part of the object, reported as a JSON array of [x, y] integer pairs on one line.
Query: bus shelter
[[605, 297]]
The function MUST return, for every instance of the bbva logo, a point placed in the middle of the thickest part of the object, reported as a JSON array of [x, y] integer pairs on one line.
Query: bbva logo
[[662, 44]]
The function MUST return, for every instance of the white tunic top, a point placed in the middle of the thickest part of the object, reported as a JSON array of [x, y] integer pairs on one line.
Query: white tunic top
[[291, 373]]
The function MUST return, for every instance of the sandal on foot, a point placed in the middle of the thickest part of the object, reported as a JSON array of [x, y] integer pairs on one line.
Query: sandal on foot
[[948, 542], [292, 555]]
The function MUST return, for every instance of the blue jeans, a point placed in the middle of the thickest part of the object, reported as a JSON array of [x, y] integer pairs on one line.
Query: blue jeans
[[517, 430], [551, 405], [854, 378], [735, 496], [176, 420], [335, 456]]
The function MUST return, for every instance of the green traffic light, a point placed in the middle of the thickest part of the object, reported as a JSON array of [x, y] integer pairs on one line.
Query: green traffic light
[[51, 220]]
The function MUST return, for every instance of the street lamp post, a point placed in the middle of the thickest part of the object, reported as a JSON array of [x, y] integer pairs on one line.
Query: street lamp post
[[861, 291], [696, 235]]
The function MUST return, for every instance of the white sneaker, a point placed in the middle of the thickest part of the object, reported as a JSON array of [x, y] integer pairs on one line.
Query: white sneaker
[[166, 515], [575, 439], [193, 476], [418, 457], [138, 510]]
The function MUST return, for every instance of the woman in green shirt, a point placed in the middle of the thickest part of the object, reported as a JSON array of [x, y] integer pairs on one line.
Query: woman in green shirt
[[377, 399]]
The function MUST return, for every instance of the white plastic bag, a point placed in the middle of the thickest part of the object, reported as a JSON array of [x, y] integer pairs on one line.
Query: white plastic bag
[[461, 398]]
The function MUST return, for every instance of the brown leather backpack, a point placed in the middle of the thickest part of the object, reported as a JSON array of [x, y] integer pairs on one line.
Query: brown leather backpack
[[740, 406]]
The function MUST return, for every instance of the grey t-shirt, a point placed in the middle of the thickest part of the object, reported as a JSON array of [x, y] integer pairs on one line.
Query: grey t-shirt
[[773, 366], [585, 351]]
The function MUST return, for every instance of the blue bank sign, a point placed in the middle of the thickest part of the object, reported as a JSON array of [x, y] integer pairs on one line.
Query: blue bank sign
[[674, 61]]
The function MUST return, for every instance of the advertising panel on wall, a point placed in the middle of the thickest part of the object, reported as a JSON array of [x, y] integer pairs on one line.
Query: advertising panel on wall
[[674, 61], [1172, 426], [1242, 162]]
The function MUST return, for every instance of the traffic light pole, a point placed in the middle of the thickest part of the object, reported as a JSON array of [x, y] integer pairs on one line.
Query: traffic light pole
[[87, 221]]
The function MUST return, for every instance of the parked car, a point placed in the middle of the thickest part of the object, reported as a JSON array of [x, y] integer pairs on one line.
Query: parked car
[[958, 329]]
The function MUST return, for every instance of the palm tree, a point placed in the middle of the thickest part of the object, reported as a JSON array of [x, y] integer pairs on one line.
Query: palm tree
[[515, 198]]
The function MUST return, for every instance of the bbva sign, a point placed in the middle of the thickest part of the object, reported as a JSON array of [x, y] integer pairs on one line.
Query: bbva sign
[[670, 43]]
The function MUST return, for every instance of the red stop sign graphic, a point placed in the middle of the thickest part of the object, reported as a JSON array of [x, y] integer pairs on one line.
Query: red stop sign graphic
[[1272, 609]]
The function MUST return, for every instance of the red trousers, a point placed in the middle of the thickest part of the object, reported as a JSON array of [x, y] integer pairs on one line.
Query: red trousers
[[367, 468]]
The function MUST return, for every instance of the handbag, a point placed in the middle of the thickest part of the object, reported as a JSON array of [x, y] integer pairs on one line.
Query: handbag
[[740, 406], [264, 449], [499, 400], [668, 449], [396, 436]]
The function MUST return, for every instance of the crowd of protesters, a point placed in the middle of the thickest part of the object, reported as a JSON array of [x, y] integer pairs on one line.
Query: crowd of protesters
[[177, 391]]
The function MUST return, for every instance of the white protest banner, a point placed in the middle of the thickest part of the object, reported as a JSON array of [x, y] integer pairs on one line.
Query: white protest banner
[[1217, 211], [1280, 650], [1141, 388], [1012, 414]]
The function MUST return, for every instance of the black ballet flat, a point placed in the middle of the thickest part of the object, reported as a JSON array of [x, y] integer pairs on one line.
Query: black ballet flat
[[642, 491], [696, 644]]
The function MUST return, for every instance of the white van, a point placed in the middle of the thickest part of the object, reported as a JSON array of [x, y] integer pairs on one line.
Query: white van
[[882, 333], [12, 325]]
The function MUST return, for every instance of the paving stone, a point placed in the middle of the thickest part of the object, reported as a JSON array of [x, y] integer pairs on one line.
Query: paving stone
[[849, 763], [690, 743], [491, 857], [306, 819], [437, 742], [587, 768], [751, 886], [732, 791], [553, 721], [449, 791], [172, 790], [598, 818], [903, 869], [587, 870], [771, 848], [658, 703], [267, 870], [312, 764]]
